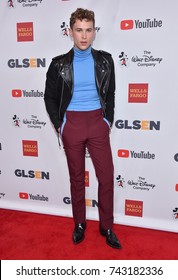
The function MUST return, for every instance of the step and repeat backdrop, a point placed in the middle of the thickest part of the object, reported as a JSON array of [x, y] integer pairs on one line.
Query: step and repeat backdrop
[[142, 38]]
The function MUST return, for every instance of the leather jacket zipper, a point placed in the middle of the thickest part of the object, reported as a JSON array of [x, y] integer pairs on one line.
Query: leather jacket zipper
[[61, 97], [101, 100]]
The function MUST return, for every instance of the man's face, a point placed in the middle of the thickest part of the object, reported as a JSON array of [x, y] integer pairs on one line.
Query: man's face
[[83, 34]]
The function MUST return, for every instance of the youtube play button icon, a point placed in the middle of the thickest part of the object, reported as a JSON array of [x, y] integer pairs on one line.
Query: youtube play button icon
[[127, 24], [16, 93], [123, 153]]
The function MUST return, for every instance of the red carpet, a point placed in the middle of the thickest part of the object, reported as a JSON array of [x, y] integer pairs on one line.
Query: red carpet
[[30, 236]]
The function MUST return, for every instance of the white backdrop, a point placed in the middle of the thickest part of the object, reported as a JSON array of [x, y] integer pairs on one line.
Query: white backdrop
[[142, 37]]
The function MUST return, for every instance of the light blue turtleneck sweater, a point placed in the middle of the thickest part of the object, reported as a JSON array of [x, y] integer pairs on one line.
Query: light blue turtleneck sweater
[[85, 96]]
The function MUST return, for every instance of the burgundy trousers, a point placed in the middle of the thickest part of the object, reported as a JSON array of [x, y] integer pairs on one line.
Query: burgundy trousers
[[89, 129]]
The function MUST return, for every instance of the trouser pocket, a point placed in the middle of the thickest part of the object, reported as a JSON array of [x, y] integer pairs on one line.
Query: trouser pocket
[[62, 126], [107, 122]]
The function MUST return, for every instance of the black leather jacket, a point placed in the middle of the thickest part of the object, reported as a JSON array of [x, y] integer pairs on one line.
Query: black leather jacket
[[59, 85]]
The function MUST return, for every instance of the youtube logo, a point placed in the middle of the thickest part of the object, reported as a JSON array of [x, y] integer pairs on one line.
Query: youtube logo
[[16, 93], [127, 24], [23, 195], [123, 153]]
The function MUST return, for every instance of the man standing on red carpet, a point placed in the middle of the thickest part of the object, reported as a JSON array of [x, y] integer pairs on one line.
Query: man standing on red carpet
[[79, 98]]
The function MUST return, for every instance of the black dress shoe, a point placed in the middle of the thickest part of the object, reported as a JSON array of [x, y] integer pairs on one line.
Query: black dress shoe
[[111, 238], [78, 234]]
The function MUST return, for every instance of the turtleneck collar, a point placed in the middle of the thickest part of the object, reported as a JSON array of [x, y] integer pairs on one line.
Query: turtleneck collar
[[82, 53]]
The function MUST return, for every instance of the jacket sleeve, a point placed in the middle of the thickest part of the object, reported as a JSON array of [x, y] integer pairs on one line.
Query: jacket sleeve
[[110, 97], [50, 95]]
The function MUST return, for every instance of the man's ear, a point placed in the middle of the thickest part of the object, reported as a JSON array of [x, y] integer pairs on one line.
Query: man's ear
[[94, 36], [71, 34]]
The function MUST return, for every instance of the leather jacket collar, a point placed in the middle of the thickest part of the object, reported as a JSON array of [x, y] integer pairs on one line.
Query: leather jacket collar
[[66, 69]]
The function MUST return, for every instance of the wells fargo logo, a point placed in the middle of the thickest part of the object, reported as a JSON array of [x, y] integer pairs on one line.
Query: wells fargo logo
[[138, 93], [134, 208], [30, 148], [25, 31]]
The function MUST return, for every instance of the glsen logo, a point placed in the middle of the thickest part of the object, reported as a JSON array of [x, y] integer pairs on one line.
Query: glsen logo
[[123, 153], [32, 174], [133, 154], [16, 93], [134, 208], [91, 203], [126, 24], [27, 63], [24, 31], [148, 23], [30, 148], [86, 178], [23, 195], [88, 202], [138, 125], [138, 93]]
